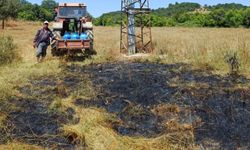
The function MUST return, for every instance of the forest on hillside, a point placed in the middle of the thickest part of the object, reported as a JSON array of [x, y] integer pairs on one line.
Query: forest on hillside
[[191, 15], [178, 14]]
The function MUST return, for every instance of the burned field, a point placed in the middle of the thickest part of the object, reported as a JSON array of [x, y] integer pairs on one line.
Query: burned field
[[155, 99], [29, 119], [194, 107]]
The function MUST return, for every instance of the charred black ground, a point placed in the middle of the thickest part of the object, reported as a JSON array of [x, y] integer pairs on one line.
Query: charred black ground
[[30, 120], [147, 99]]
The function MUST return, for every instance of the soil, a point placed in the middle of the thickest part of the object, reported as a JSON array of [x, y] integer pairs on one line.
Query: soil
[[147, 99]]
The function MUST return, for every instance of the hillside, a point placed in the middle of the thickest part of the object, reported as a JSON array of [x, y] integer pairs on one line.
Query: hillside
[[177, 8], [190, 14]]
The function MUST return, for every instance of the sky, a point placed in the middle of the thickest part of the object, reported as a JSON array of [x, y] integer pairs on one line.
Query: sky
[[98, 7]]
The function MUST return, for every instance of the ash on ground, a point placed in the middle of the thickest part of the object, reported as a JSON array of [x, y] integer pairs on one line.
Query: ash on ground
[[147, 99], [155, 99]]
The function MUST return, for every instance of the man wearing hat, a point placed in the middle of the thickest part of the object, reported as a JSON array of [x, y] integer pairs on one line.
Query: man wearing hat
[[42, 41]]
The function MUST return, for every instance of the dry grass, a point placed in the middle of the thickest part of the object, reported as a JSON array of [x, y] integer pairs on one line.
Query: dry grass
[[94, 128], [19, 73], [201, 47], [19, 146], [94, 131]]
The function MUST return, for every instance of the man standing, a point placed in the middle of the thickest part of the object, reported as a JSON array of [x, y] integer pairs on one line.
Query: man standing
[[42, 41]]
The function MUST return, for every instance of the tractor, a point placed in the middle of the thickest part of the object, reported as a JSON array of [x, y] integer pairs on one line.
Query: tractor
[[73, 30]]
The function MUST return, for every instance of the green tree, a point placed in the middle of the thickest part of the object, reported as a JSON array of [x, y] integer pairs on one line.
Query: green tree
[[158, 21], [27, 11], [228, 6], [109, 19], [49, 5], [8, 9], [170, 22], [190, 14], [246, 18], [45, 15], [27, 15], [177, 8], [233, 18], [218, 17], [34, 12], [199, 19], [182, 18]]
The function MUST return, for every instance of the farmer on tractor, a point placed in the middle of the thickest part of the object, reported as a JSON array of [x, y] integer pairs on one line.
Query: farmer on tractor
[[42, 41]]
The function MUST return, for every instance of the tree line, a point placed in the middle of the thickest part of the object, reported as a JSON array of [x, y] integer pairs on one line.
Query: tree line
[[191, 15], [178, 14], [24, 10]]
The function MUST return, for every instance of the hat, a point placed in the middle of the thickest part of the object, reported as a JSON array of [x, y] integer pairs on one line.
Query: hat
[[46, 22]]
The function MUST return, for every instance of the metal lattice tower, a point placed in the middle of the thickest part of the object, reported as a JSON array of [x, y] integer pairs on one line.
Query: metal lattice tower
[[136, 34]]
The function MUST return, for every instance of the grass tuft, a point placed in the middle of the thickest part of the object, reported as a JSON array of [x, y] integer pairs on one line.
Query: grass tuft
[[8, 52]]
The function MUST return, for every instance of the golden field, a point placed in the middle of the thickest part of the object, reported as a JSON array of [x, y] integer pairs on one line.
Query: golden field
[[203, 48], [197, 46]]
